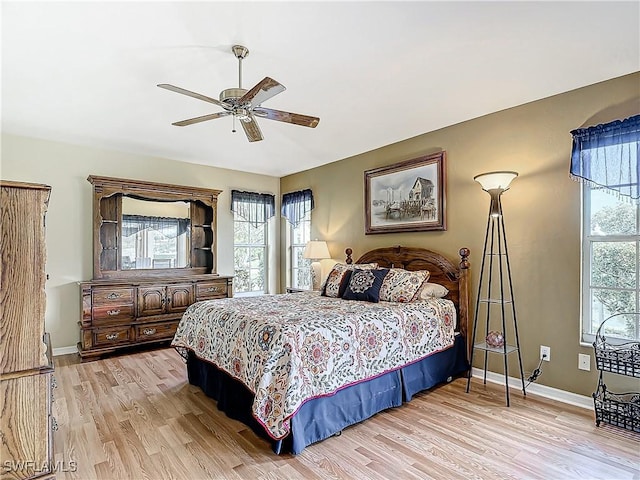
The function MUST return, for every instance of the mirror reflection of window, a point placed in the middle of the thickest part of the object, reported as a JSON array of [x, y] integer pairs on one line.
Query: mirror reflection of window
[[155, 234]]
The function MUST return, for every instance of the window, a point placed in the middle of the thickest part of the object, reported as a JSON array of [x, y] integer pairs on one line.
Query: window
[[154, 242], [250, 241], [300, 273], [296, 208], [610, 275], [605, 158], [249, 256]]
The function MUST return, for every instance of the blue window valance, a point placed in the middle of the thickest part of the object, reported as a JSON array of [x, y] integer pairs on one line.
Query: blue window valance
[[606, 156], [169, 227], [296, 205], [256, 208]]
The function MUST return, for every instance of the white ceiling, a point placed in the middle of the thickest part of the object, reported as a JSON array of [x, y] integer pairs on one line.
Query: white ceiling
[[374, 72]]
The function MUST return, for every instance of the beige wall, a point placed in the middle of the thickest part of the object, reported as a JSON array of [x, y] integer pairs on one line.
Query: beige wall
[[541, 211], [69, 237]]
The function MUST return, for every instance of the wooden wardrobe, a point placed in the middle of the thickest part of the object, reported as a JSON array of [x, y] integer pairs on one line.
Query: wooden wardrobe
[[26, 365]]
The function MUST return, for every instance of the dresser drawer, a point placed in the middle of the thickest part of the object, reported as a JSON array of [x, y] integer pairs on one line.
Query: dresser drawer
[[111, 314], [155, 331], [109, 296], [213, 289], [111, 336]]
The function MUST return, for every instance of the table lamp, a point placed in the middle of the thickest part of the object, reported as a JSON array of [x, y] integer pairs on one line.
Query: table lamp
[[316, 250]]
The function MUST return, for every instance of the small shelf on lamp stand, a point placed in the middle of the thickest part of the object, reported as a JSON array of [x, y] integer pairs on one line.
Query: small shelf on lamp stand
[[497, 254]]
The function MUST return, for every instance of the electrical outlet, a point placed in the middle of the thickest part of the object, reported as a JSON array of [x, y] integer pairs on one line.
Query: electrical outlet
[[584, 362], [545, 353]]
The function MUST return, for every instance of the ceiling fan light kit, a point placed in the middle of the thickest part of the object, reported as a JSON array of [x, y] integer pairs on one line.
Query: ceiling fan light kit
[[245, 105]]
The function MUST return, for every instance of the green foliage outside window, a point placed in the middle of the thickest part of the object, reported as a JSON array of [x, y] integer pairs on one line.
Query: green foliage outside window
[[249, 257], [614, 283]]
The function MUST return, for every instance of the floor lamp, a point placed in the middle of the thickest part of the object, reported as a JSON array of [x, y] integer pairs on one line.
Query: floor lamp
[[316, 250], [497, 304]]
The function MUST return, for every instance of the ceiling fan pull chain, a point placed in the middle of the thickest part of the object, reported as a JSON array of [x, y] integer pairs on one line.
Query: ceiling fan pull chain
[[233, 130]]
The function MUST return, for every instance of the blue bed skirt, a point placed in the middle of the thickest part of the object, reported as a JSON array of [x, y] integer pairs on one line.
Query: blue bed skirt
[[323, 417]]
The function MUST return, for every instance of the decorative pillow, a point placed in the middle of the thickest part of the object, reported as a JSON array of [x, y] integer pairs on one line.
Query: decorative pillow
[[365, 285], [332, 287], [432, 290], [402, 285]]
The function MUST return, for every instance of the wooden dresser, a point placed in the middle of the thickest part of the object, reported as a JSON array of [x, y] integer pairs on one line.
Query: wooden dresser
[[118, 314], [26, 366], [138, 295]]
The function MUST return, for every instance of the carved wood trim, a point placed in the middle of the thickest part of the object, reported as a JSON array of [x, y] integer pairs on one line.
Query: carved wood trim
[[108, 186]]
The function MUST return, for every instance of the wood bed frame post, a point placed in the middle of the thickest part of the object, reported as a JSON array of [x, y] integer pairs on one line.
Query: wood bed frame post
[[348, 253]]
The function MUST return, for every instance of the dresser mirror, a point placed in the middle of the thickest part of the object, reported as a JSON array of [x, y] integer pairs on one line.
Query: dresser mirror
[[155, 234], [152, 229]]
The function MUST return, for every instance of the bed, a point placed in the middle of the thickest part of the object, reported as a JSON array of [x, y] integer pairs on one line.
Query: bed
[[300, 367]]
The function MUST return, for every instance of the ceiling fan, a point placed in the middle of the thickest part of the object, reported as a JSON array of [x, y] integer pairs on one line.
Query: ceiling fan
[[245, 105]]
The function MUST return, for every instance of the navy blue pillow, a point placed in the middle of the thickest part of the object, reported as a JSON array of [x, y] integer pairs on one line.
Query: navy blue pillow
[[365, 285], [344, 282]]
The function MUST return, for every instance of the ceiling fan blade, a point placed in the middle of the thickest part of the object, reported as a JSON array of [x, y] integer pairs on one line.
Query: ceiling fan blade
[[252, 129], [264, 90], [189, 93], [203, 118], [280, 116]]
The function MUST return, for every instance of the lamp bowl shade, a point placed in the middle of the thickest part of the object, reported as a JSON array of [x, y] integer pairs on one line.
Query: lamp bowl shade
[[495, 180]]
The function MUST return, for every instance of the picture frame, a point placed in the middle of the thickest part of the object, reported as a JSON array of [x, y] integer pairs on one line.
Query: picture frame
[[409, 196]]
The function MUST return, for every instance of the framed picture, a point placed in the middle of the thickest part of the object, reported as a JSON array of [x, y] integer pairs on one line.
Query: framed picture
[[407, 196]]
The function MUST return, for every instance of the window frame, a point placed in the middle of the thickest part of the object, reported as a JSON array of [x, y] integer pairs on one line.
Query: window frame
[[587, 337], [264, 246], [293, 247]]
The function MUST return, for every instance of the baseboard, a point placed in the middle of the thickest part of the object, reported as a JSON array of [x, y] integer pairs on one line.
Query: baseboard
[[65, 350], [542, 390]]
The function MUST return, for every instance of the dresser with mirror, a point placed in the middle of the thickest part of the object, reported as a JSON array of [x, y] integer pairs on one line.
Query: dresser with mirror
[[154, 254]]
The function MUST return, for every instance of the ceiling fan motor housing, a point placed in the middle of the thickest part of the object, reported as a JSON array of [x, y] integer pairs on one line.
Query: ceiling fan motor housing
[[231, 95]]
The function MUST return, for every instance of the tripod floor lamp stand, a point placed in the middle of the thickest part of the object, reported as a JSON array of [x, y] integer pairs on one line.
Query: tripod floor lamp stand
[[495, 302]]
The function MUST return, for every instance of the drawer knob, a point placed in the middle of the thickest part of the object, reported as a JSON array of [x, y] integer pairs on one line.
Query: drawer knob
[[111, 313], [113, 295], [111, 336], [149, 331], [213, 289]]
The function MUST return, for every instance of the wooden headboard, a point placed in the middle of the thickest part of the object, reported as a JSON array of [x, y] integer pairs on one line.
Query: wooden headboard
[[453, 275]]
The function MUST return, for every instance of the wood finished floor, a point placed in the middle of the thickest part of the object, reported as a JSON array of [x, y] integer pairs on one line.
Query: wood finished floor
[[136, 417]]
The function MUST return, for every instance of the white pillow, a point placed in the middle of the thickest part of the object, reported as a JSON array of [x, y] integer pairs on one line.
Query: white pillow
[[433, 290]]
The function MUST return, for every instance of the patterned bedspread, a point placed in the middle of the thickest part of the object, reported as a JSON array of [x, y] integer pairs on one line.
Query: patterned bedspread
[[290, 348]]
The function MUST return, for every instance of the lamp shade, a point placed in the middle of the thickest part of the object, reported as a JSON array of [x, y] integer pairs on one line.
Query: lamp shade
[[495, 180], [316, 249]]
